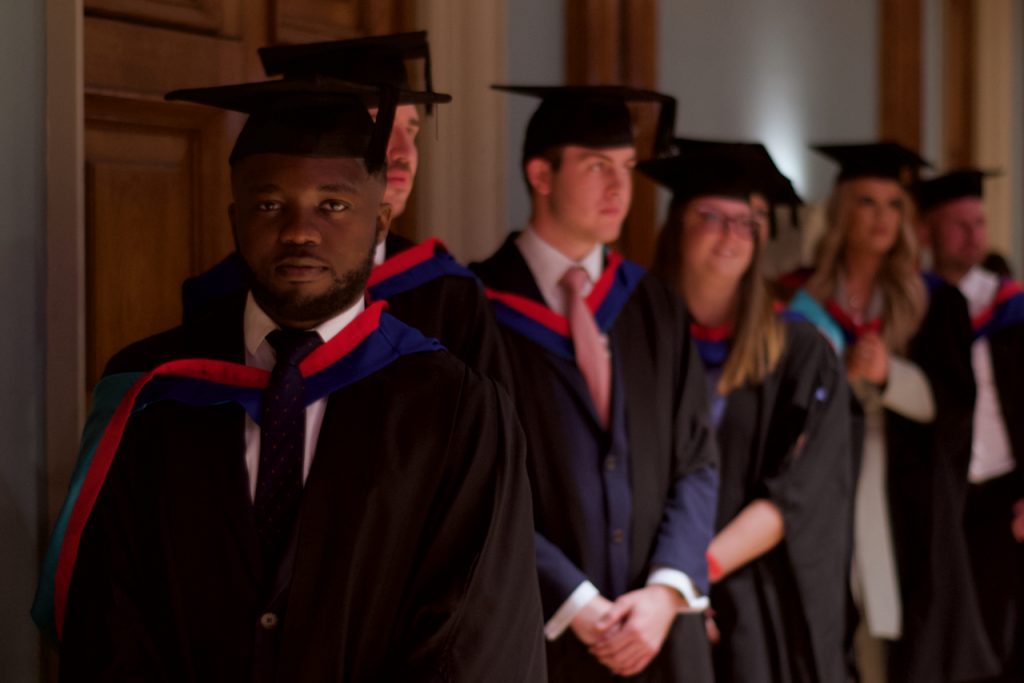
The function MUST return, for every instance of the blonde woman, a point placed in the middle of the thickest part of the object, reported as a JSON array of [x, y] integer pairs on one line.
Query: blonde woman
[[779, 406], [867, 284]]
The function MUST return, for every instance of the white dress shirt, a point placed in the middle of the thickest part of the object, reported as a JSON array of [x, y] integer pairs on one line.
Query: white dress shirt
[[991, 455], [260, 354], [548, 265]]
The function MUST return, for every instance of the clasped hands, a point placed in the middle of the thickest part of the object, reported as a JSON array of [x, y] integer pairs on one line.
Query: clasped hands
[[625, 635], [868, 359]]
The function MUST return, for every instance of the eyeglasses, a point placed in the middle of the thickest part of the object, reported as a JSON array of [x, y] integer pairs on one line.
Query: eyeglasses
[[714, 221]]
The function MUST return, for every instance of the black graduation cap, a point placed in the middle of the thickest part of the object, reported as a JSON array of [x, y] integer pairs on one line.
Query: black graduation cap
[[705, 168], [372, 60], [589, 116], [731, 169], [888, 160], [964, 182], [756, 162], [320, 117]]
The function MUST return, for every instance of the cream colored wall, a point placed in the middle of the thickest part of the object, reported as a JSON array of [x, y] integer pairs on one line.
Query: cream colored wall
[[998, 110], [460, 185], [997, 119]]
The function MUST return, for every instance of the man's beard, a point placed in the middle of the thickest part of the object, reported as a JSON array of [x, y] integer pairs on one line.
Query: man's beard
[[343, 292]]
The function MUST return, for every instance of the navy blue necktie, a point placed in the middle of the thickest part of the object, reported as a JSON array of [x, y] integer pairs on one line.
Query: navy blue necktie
[[282, 443]]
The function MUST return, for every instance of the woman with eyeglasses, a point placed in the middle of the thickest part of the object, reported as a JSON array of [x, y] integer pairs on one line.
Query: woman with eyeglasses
[[779, 408]]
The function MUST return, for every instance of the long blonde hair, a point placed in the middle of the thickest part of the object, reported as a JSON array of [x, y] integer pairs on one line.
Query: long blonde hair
[[903, 291], [759, 336]]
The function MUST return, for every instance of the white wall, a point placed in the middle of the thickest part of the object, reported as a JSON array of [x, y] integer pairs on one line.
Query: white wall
[[22, 274], [788, 73], [536, 56], [784, 72]]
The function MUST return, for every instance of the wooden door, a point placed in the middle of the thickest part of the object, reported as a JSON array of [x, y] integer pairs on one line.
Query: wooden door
[[156, 176]]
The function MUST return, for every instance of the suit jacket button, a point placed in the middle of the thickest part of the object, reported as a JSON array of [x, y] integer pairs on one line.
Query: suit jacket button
[[268, 621], [609, 463], [618, 536]]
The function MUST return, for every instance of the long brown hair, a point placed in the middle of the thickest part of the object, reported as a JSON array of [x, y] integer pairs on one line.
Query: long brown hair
[[903, 292], [759, 337]]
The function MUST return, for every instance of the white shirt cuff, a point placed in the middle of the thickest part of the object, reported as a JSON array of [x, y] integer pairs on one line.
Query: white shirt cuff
[[584, 593], [673, 578], [908, 391]]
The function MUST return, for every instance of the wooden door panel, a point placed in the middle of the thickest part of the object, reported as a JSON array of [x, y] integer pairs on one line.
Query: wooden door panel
[[296, 21], [206, 16], [212, 133], [145, 60], [156, 183], [138, 232]]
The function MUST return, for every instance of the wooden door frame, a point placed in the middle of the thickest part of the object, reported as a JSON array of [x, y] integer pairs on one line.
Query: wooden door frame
[[958, 74], [64, 374], [900, 74], [64, 298]]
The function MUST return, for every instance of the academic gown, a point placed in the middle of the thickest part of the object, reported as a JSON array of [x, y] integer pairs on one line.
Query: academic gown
[[610, 505], [782, 616], [996, 561], [943, 633], [943, 639], [446, 302], [412, 556], [425, 288]]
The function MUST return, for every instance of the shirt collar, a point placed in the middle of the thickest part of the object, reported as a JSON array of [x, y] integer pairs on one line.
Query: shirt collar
[[257, 325], [874, 309], [979, 287], [548, 265], [380, 253]]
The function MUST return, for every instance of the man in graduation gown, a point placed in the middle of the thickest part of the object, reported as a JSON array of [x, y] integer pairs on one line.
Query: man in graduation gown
[[611, 396], [299, 487], [424, 286], [991, 481]]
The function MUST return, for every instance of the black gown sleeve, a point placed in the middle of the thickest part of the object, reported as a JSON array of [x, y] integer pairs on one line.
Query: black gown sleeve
[[688, 520], [479, 620], [812, 484], [482, 346], [943, 634], [453, 309]]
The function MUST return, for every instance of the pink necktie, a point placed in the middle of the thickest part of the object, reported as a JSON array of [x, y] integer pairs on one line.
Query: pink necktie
[[592, 357]]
